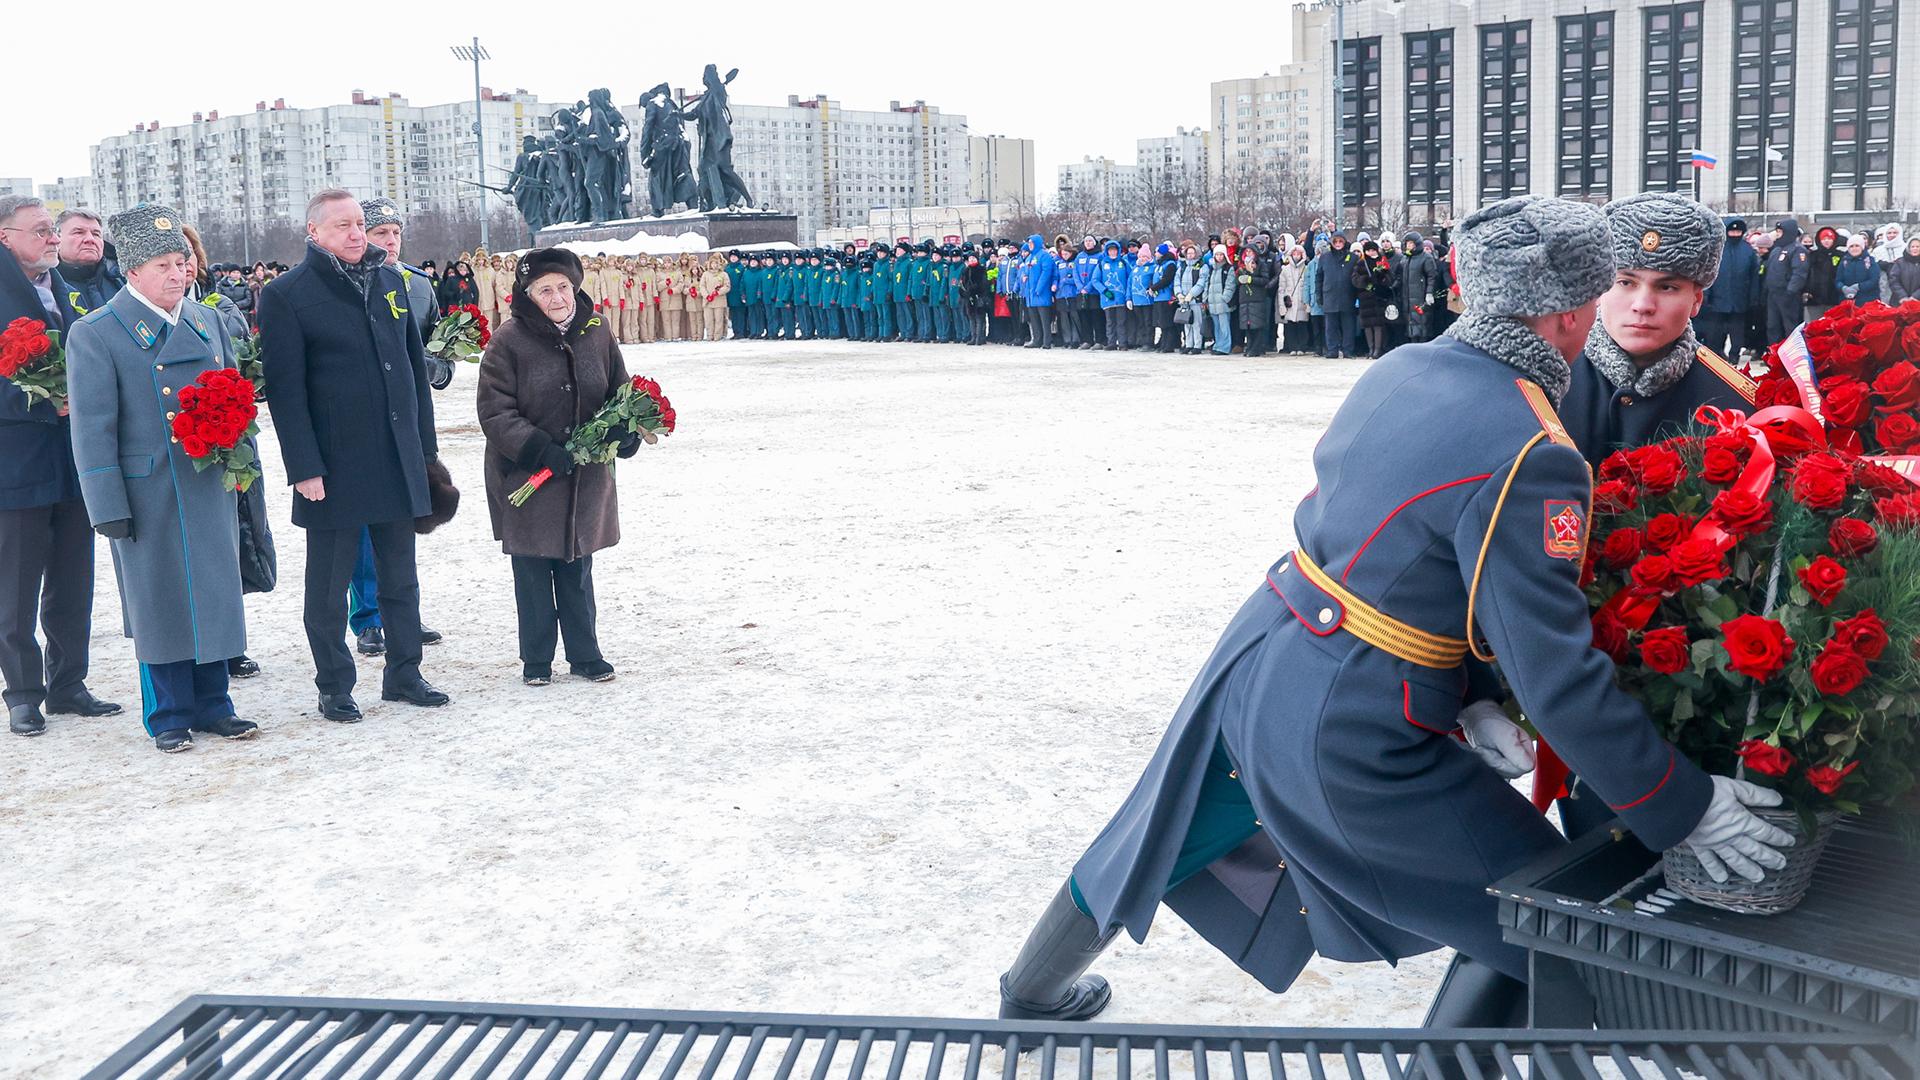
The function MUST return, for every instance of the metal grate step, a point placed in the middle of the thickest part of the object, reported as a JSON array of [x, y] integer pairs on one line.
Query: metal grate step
[[227, 1038]]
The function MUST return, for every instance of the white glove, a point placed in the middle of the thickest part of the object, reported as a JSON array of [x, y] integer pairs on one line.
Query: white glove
[[1730, 836], [1500, 742]]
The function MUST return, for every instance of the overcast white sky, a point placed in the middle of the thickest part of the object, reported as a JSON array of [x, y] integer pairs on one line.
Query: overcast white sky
[[1076, 78]]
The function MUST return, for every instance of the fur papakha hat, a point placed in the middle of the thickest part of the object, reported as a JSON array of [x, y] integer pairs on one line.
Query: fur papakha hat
[[381, 211], [147, 232], [1667, 233], [1532, 255]]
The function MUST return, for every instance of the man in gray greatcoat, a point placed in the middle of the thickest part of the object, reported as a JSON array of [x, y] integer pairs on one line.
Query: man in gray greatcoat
[[175, 529]]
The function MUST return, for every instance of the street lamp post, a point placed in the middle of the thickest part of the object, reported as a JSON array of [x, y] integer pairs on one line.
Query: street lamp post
[[1340, 112], [476, 53]]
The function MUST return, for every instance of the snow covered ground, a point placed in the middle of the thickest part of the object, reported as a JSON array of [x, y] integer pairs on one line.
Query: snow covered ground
[[896, 627]]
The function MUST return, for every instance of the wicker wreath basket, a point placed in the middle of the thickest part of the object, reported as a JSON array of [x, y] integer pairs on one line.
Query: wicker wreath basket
[[1780, 890]]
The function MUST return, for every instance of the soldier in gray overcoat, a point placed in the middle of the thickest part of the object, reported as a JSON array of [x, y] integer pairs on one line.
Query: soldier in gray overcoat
[[175, 529]]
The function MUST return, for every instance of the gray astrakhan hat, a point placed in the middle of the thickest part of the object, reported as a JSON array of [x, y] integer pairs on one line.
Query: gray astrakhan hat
[[146, 232], [1669, 233], [380, 212], [1532, 255]]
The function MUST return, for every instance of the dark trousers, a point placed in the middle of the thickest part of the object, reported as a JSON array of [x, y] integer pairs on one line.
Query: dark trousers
[[903, 319], [1163, 324], [942, 321], [1783, 315], [737, 315], [803, 320], [46, 575], [976, 326], [1342, 325], [1716, 330], [1039, 331], [331, 554], [854, 321], [363, 592], [183, 694], [555, 601], [1016, 321], [1316, 332], [783, 319], [1140, 325], [756, 320], [1068, 312], [1091, 319], [923, 320], [1115, 319]]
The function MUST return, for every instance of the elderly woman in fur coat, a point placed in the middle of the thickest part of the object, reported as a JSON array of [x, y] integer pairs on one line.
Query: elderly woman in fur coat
[[548, 369]]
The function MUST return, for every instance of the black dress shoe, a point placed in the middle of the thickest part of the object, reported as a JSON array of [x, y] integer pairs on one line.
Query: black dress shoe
[[231, 727], [429, 637], [339, 708], [241, 667], [419, 692], [536, 674], [372, 642], [26, 720], [172, 742], [83, 704], [595, 671]]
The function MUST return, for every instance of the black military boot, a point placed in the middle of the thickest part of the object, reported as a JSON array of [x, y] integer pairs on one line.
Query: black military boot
[[1045, 981], [1473, 995]]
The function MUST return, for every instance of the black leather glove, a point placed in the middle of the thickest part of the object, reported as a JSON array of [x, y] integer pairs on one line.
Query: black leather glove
[[556, 458], [121, 529], [630, 445]]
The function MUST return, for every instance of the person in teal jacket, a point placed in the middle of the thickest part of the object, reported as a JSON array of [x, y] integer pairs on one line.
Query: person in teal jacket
[[900, 291], [919, 263], [753, 282], [956, 301], [806, 284], [849, 298], [736, 298], [783, 285], [934, 295], [826, 318], [880, 292]]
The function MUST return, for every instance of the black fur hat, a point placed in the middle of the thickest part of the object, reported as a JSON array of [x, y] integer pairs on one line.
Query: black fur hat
[[542, 261]]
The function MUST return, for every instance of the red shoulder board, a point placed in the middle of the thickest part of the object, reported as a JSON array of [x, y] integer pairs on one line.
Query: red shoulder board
[[1543, 410], [1742, 383]]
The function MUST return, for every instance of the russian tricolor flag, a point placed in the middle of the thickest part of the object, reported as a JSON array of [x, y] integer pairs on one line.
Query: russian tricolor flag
[[1703, 160]]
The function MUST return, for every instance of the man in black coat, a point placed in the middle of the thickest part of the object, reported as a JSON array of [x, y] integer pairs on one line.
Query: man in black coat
[[347, 384], [92, 278], [46, 541]]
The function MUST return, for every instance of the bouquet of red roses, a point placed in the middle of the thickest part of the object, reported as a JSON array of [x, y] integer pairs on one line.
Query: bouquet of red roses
[[1758, 588], [31, 359], [637, 407], [461, 334], [1857, 370], [215, 420]]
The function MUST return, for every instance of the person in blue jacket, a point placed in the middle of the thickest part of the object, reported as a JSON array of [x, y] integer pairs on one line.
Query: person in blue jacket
[[1041, 275], [1166, 267], [1722, 321], [1316, 315], [934, 295], [1140, 277], [957, 314], [1308, 795], [1086, 270], [784, 283], [899, 291], [1110, 284], [1066, 293], [1859, 273]]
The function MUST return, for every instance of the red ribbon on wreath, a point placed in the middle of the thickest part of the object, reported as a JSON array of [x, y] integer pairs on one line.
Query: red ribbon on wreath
[[1775, 430]]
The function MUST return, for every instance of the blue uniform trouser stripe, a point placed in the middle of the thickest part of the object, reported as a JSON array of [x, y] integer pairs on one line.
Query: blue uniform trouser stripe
[[363, 590], [183, 694], [1223, 819]]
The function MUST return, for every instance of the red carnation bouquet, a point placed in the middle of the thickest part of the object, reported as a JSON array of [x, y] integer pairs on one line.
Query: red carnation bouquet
[[637, 407], [31, 358], [215, 424], [461, 334]]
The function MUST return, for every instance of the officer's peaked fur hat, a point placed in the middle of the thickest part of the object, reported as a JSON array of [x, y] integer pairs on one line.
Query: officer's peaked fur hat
[[1667, 233], [1532, 255], [147, 232]]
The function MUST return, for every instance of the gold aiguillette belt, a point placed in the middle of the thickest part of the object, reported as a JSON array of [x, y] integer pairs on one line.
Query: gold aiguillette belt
[[1382, 631]]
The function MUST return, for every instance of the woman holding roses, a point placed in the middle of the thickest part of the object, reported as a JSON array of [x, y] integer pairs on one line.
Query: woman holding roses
[[547, 370]]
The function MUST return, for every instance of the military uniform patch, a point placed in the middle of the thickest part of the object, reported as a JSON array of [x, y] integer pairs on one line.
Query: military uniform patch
[[1565, 530], [145, 333], [1650, 240], [1741, 382], [1543, 411]]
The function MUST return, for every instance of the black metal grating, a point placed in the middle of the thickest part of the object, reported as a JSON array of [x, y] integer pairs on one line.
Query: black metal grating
[[226, 1038]]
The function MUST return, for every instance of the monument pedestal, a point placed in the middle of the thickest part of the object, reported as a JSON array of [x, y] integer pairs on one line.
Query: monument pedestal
[[720, 228]]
